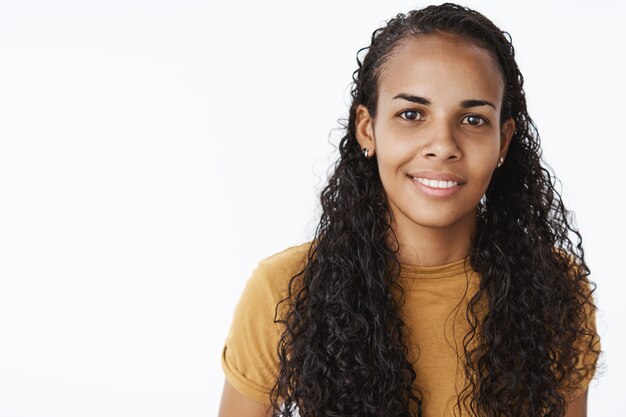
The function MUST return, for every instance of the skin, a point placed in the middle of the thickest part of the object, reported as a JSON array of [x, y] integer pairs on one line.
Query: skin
[[235, 404], [444, 137]]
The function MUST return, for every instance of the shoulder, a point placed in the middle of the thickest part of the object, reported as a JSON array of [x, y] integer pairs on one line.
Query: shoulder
[[570, 262], [270, 278], [576, 271], [287, 261]]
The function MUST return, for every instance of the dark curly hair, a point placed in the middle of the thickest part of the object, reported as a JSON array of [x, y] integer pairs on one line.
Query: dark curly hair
[[343, 351]]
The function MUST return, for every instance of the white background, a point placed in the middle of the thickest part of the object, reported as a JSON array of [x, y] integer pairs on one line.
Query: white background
[[152, 152]]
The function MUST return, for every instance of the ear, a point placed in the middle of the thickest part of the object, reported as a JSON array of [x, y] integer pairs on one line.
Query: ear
[[364, 126], [506, 134]]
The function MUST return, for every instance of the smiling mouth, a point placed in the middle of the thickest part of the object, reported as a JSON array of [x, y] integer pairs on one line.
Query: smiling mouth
[[436, 188]]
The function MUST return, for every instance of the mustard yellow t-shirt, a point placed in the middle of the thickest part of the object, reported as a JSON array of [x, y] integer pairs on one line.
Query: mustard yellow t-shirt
[[434, 313]]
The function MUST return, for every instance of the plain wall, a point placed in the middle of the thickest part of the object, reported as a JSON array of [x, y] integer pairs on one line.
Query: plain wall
[[152, 152]]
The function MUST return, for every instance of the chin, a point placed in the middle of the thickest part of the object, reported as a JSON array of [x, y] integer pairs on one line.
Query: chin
[[438, 219], [435, 222]]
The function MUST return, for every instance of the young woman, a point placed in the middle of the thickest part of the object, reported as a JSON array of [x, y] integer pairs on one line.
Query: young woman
[[442, 279]]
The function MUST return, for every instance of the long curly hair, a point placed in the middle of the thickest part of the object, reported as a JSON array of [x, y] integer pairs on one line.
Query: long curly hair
[[343, 351]]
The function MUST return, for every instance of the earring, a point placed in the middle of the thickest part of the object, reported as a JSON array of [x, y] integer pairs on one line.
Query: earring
[[500, 162], [365, 152]]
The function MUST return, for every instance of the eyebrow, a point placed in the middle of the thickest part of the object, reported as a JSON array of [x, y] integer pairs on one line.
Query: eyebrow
[[426, 102]]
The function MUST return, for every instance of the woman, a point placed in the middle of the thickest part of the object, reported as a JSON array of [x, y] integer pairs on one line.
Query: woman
[[442, 279]]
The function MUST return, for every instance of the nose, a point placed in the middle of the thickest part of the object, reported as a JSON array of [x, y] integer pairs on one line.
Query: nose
[[441, 143]]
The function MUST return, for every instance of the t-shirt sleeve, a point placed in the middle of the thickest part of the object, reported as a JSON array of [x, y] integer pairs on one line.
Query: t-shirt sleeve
[[249, 356], [589, 344]]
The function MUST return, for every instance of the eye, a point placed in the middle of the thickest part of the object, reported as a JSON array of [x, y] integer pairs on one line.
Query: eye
[[475, 120], [410, 115]]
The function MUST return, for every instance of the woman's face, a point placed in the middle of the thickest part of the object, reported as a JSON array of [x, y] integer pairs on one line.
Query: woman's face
[[437, 120]]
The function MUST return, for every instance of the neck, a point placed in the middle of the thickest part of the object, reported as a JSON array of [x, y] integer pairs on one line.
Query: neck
[[432, 246]]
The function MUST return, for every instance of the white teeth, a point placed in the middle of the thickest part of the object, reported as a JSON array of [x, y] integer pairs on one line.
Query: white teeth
[[437, 183]]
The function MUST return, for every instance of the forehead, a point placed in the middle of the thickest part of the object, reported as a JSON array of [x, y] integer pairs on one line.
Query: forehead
[[441, 67]]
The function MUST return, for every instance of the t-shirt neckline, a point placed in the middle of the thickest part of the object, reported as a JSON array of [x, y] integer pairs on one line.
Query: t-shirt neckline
[[446, 270]]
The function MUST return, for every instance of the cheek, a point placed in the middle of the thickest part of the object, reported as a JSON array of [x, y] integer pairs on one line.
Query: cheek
[[486, 153], [482, 166], [394, 152], [392, 163]]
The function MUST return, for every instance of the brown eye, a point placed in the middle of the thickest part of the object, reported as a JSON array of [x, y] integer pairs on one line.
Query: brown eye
[[475, 120], [410, 115]]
